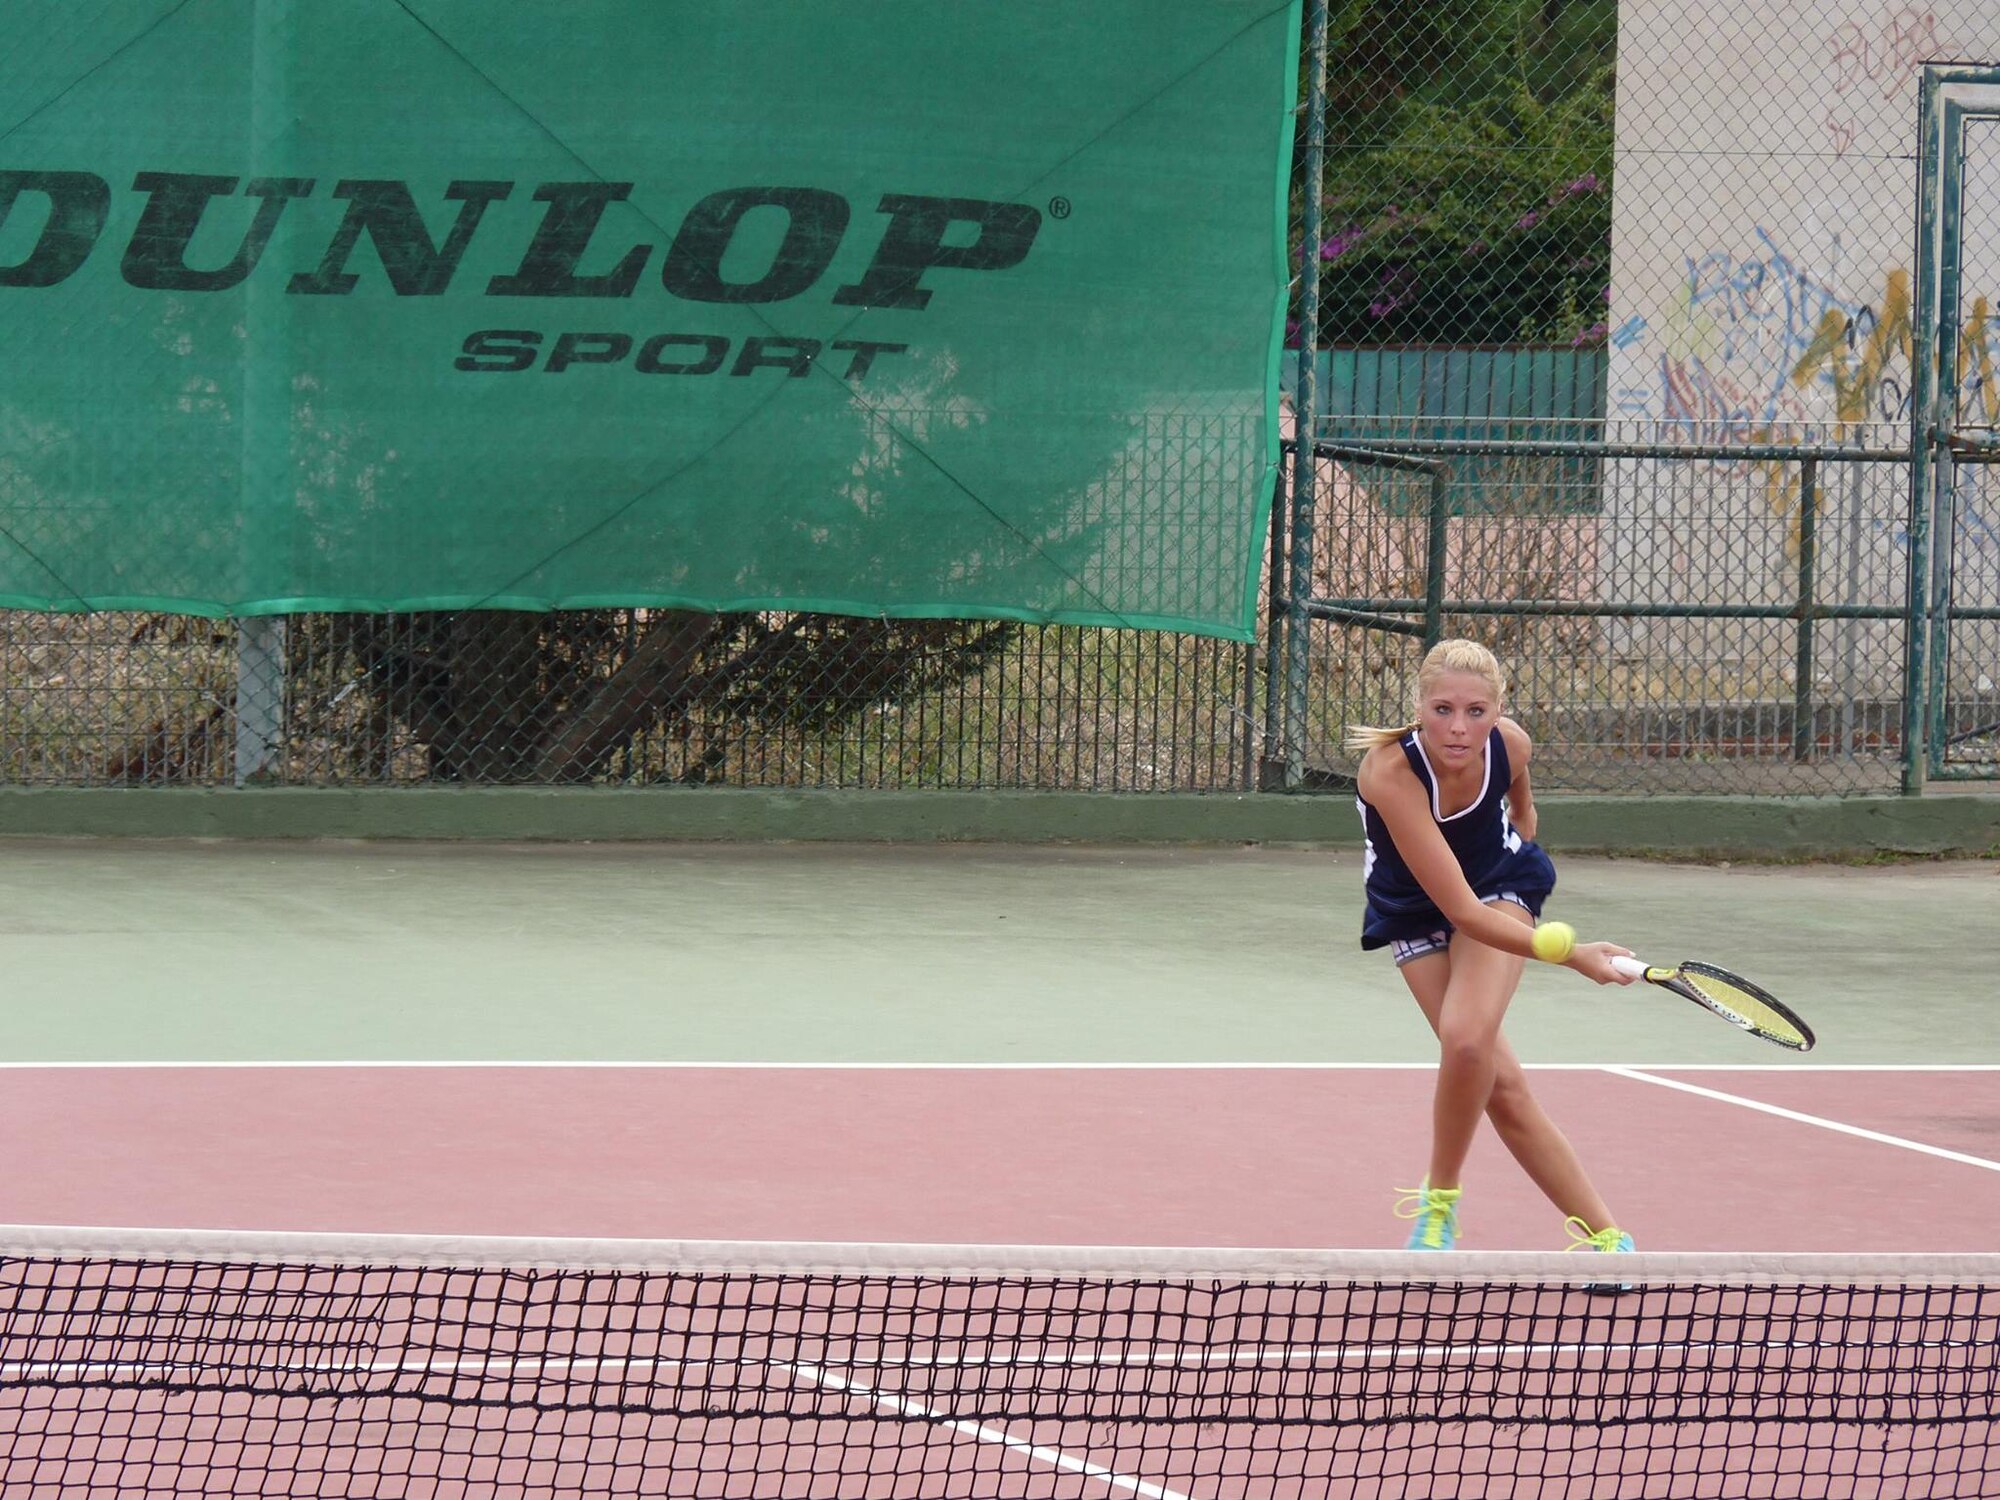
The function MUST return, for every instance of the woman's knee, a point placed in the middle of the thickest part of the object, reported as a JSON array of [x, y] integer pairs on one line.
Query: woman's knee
[[1510, 1103], [1464, 1046]]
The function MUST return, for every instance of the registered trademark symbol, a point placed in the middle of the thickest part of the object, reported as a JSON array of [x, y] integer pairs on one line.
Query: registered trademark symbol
[[1058, 208]]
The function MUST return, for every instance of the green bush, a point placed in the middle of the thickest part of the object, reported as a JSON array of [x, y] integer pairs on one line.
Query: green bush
[[1467, 195]]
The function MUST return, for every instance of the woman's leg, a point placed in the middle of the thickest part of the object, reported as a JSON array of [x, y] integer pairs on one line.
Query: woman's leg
[[1532, 1138], [1476, 993], [1543, 1151]]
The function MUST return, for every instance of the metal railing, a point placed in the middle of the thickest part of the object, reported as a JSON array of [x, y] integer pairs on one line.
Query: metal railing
[[1642, 663], [1678, 617]]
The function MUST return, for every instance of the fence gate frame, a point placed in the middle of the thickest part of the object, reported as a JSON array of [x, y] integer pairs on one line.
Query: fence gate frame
[[1950, 95]]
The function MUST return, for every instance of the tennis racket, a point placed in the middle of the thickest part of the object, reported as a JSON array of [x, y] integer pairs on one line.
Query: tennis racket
[[1730, 996]]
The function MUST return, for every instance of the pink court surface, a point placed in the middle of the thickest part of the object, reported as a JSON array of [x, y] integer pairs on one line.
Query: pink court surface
[[1692, 1159]]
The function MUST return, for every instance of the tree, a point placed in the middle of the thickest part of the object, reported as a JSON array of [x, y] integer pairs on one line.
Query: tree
[[1467, 188], [499, 696]]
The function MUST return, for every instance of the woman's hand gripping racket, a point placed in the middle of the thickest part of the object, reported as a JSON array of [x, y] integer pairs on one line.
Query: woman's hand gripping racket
[[1730, 996]]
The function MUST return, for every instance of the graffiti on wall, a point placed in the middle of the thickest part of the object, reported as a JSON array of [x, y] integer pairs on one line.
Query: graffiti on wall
[[1739, 326], [1760, 342], [1854, 359], [1761, 350], [1876, 60]]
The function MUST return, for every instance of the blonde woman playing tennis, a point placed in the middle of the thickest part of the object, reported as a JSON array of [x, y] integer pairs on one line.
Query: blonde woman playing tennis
[[1455, 883]]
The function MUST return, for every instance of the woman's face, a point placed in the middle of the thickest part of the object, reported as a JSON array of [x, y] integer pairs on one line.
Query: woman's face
[[1456, 715]]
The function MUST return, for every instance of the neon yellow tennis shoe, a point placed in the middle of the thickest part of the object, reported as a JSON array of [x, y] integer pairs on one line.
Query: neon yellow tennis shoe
[[1436, 1213], [1612, 1241], [1609, 1241]]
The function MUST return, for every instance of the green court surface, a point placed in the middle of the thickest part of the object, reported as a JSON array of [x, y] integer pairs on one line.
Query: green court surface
[[164, 951]]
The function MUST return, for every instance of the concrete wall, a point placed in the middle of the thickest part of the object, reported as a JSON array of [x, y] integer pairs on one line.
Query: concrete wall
[[1762, 253], [1727, 827], [1765, 183]]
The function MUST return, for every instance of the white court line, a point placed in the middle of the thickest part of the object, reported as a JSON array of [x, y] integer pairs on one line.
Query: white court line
[[1276, 1356], [1877, 1136], [1055, 1457], [899, 1405], [668, 1064]]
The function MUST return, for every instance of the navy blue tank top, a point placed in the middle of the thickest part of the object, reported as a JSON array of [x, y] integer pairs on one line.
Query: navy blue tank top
[[1489, 849]]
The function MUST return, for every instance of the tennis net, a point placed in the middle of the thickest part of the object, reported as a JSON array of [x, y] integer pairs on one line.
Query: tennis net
[[139, 1362]]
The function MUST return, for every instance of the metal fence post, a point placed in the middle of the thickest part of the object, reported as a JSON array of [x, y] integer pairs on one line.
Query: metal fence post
[[1306, 406], [1923, 394], [1436, 537], [266, 424], [1803, 736], [1268, 771], [260, 696]]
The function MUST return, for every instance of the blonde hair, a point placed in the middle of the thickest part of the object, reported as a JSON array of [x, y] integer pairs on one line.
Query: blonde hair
[[1445, 656]]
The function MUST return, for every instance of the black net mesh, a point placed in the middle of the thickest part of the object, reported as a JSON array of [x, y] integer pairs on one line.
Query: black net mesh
[[181, 1374]]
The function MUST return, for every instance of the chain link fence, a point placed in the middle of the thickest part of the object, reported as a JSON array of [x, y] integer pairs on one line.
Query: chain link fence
[[1633, 666], [619, 696], [1611, 317]]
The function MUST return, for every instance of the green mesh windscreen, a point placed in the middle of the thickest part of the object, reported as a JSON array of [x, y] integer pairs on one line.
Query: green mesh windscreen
[[865, 306]]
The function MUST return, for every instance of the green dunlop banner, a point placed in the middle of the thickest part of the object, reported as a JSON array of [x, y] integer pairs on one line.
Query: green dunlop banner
[[865, 306]]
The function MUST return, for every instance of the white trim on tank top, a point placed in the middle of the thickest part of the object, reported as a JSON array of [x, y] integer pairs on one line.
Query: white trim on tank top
[[1485, 777]]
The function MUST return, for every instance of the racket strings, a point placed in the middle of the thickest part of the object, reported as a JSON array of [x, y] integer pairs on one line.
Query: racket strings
[[1752, 1009]]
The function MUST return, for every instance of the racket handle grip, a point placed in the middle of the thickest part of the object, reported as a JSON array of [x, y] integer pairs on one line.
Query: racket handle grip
[[1628, 966]]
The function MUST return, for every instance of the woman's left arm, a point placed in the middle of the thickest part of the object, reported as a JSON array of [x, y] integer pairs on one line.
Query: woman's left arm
[[1520, 796]]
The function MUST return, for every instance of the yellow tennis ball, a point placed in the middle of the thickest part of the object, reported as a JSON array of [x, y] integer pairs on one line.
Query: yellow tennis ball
[[1554, 941]]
